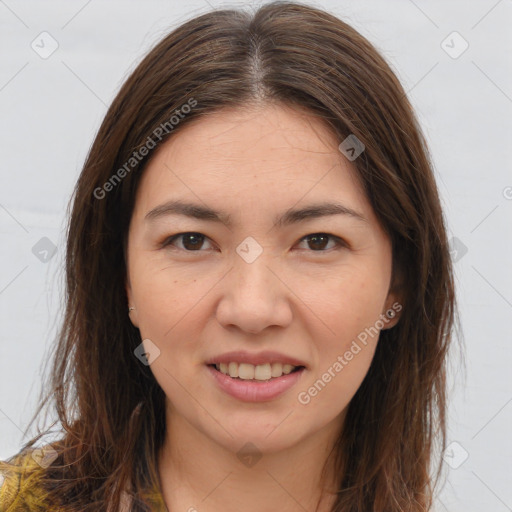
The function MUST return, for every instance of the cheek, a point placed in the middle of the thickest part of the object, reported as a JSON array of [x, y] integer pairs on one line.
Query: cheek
[[349, 307], [345, 349], [165, 302], [327, 394], [347, 302]]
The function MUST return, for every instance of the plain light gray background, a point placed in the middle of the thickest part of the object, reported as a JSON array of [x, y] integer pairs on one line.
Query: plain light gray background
[[51, 108]]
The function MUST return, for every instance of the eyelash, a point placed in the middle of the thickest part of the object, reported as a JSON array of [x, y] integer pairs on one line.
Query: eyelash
[[339, 241]]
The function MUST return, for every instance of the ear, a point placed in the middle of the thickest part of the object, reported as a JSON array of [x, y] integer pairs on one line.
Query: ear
[[393, 305], [392, 310], [132, 313]]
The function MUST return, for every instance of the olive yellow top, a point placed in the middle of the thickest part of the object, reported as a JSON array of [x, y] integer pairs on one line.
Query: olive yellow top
[[21, 490]]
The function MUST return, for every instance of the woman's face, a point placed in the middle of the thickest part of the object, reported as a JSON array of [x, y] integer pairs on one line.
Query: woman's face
[[250, 283]]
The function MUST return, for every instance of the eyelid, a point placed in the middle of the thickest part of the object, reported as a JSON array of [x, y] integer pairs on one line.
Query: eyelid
[[341, 243], [170, 239]]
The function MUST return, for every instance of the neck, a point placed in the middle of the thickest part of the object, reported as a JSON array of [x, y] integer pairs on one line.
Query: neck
[[198, 473]]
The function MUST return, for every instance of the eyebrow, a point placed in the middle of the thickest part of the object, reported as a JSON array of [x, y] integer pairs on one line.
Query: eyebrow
[[290, 216]]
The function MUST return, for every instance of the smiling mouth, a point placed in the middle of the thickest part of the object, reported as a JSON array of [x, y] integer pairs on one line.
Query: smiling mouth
[[249, 372]]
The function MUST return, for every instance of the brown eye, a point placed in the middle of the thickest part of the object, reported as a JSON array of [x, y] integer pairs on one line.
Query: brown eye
[[318, 241], [194, 242], [190, 241]]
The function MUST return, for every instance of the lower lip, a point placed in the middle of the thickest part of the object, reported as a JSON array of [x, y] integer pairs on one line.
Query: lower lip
[[255, 390]]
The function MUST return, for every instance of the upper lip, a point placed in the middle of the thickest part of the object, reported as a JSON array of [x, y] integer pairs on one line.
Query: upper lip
[[256, 358]]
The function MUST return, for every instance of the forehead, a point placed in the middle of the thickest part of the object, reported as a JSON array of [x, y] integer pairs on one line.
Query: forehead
[[267, 157]]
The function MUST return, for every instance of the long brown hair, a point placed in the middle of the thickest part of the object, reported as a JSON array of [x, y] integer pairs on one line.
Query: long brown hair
[[109, 404]]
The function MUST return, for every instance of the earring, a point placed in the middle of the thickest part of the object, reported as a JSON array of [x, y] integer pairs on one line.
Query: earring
[[130, 309]]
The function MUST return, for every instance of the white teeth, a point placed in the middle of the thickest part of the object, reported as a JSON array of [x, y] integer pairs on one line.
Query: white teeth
[[247, 371], [287, 368], [277, 370], [263, 372], [233, 369]]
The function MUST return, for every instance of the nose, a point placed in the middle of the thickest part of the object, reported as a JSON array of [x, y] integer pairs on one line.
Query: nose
[[254, 297]]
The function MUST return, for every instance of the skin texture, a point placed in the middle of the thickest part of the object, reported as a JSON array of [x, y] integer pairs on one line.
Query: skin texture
[[311, 304]]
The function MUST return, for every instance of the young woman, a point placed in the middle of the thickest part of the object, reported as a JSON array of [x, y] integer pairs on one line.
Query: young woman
[[259, 288]]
